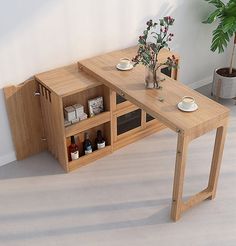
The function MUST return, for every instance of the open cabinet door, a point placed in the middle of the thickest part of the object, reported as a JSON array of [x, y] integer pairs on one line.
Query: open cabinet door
[[25, 117]]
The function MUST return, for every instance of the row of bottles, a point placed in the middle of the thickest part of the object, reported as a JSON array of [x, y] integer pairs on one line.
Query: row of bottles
[[73, 149]]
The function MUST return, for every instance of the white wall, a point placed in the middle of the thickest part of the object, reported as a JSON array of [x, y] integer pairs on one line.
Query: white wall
[[43, 34]]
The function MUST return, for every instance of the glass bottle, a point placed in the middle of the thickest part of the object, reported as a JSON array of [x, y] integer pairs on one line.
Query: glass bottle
[[100, 141], [73, 150], [87, 144]]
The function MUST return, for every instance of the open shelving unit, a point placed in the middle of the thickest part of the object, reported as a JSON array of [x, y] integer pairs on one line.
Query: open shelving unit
[[67, 86]]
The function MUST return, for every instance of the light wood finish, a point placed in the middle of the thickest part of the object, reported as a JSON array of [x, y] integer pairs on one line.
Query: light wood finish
[[162, 57], [52, 112], [217, 157], [87, 124], [82, 97], [26, 122], [131, 84], [71, 86], [128, 109], [66, 80], [84, 160], [131, 138], [189, 126], [126, 106], [181, 156], [194, 200], [64, 87]]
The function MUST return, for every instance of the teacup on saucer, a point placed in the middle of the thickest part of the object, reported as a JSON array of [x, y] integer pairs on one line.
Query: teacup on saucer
[[188, 104], [124, 64]]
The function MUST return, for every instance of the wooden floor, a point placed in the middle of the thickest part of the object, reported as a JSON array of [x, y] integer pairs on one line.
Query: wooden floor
[[122, 200]]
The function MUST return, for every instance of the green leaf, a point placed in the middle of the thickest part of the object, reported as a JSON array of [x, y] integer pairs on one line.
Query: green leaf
[[220, 39], [216, 3], [213, 16], [228, 23]]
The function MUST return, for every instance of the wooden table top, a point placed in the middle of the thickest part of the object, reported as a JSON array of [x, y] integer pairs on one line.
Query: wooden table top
[[66, 80], [131, 84]]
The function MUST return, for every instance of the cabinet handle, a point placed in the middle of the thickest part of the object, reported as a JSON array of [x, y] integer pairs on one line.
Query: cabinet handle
[[43, 139], [37, 94]]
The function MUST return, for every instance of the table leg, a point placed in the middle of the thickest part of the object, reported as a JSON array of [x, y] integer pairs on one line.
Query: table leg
[[216, 159], [178, 206], [181, 156]]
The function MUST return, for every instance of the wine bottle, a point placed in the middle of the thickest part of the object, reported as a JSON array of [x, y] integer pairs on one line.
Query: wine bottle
[[87, 144], [73, 150], [100, 141]]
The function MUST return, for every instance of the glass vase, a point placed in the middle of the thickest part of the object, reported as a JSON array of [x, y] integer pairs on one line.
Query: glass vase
[[152, 78]]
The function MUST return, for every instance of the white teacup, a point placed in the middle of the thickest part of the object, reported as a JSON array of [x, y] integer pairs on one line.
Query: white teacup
[[188, 102], [125, 63]]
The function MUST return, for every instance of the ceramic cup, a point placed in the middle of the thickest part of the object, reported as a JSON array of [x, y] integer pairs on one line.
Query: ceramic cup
[[125, 63], [188, 102]]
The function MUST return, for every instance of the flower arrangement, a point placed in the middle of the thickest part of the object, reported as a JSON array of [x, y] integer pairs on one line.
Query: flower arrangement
[[155, 38]]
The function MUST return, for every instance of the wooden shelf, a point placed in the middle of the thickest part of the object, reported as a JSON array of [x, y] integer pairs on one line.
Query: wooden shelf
[[86, 159], [87, 124], [67, 80]]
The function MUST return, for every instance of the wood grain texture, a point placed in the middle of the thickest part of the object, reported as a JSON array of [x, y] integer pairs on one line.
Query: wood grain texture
[[217, 157], [137, 134], [53, 120], [25, 119], [66, 80], [209, 116], [84, 160], [87, 124], [131, 84], [181, 157]]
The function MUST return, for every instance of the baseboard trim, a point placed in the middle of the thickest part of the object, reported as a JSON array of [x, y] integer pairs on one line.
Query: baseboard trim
[[5, 159], [201, 83]]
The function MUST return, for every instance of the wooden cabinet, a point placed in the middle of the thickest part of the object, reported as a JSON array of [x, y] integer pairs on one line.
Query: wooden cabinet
[[75, 91], [38, 108]]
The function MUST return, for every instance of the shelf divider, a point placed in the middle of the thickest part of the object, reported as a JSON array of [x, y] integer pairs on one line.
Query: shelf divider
[[86, 159], [87, 124]]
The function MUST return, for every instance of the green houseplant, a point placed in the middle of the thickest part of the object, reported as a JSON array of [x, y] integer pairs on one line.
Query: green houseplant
[[154, 38], [225, 15]]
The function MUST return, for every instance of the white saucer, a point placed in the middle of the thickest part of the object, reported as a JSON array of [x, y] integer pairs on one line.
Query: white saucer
[[124, 69], [193, 108]]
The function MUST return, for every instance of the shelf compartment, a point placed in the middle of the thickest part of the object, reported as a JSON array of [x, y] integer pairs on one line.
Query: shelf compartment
[[87, 159], [87, 124], [79, 137]]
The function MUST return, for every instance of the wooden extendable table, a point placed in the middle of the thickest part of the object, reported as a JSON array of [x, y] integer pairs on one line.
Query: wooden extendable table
[[162, 104]]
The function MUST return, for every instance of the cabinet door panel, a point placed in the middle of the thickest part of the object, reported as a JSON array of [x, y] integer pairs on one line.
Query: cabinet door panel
[[25, 117], [129, 121]]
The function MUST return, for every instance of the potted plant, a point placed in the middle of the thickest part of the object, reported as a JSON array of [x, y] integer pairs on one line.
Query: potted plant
[[224, 83], [154, 38]]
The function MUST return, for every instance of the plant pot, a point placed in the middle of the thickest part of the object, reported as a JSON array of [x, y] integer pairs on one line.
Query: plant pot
[[224, 87], [152, 79]]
